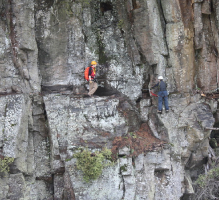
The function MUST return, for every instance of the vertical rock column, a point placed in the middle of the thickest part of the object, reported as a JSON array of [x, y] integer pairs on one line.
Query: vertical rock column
[[179, 36], [206, 44], [61, 42], [21, 26]]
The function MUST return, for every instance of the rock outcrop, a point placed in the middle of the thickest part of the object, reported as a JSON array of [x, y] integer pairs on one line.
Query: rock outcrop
[[45, 119]]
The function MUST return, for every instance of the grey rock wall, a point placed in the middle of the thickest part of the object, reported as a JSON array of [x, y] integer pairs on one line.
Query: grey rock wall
[[45, 47]]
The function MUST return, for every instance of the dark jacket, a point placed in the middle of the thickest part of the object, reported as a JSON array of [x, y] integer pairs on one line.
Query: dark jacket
[[162, 86]]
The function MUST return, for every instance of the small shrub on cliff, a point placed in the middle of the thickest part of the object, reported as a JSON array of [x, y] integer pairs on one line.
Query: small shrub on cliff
[[4, 164], [207, 186], [211, 175], [92, 164]]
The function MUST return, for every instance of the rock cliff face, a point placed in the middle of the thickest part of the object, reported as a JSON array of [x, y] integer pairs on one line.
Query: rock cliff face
[[45, 45]]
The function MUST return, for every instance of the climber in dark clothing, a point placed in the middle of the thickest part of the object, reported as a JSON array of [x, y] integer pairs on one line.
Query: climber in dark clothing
[[162, 94]]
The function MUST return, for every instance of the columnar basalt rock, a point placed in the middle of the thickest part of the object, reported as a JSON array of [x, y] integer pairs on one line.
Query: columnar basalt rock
[[45, 47]]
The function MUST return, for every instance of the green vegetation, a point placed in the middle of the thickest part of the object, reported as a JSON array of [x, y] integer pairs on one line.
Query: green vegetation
[[203, 179], [67, 159], [67, 8], [84, 2], [171, 144], [206, 185], [133, 135], [4, 164], [123, 168], [92, 164], [120, 24]]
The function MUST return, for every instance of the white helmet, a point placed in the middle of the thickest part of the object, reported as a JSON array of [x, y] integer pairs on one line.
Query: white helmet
[[160, 77]]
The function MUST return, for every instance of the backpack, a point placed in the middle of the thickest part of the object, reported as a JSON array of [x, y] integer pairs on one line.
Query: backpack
[[86, 73]]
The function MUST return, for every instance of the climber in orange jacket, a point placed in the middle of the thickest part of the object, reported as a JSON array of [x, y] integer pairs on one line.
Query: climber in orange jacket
[[92, 81]]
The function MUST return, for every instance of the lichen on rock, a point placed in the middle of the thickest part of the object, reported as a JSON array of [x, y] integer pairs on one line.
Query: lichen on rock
[[45, 45]]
